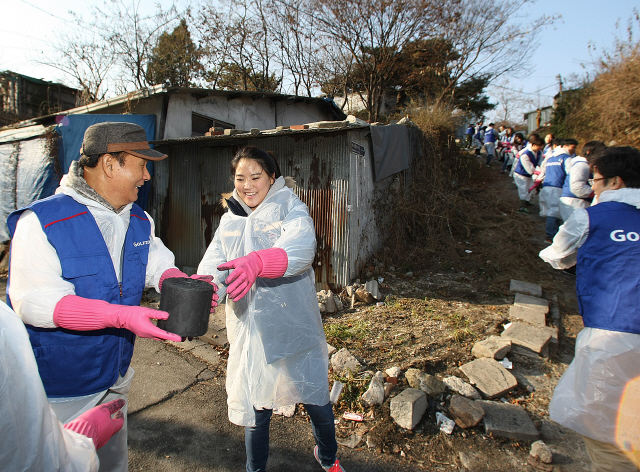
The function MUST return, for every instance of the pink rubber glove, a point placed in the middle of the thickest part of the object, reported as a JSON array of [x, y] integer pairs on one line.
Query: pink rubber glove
[[84, 314], [536, 184], [268, 263], [97, 422], [175, 273]]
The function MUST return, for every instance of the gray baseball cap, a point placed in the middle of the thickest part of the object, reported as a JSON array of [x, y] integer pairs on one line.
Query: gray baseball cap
[[114, 136]]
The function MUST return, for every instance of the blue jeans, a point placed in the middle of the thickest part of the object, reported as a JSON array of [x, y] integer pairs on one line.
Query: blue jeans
[[553, 224], [256, 438]]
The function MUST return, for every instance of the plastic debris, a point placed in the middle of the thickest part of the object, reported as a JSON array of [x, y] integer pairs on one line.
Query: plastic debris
[[506, 363], [467, 251], [380, 304], [336, 390], [446, 424], [352, 416]]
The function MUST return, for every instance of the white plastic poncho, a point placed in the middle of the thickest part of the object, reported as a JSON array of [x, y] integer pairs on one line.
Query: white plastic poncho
[[579, 185], [588, 397], [31, 437], [278, 351]]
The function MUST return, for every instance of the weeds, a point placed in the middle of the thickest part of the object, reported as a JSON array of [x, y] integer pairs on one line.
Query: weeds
[[340, 334], [353, 389]]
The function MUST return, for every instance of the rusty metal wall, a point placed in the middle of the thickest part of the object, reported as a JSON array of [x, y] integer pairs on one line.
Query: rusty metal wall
[[336, 184]]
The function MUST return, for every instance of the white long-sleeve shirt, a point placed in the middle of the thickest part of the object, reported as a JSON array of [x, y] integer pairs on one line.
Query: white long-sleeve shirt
[[588, 398], [36, 284]]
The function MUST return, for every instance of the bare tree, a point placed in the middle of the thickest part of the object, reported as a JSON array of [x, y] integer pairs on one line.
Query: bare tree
[[491, 38], [88, 60], [511, 103]]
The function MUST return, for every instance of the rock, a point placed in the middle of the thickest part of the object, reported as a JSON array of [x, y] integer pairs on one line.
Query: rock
[[530, 337], [540, 450], [489, 376], [387, 389], [535, 317], [508, 420], [328, 124], [409, 274], [425, 382], [326, 298], [343, 362], [460, 386], [255, 131], [321, 308], [331, 350], [412, 377], [528, 301], [375, 394], [525, 288], [287, 411], [538, 464], [466, 413], [364, 296], [338, 302], [351, 441], [494, 347], [351, 290], [408, 407], [393, 371]]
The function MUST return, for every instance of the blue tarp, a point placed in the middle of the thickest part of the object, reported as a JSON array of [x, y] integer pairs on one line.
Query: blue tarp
[[72, 127]]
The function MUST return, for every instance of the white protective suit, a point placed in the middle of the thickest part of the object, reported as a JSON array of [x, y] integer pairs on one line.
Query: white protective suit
[[523, 182], [278, 353], [550, 196], [589, 393], [579, 185], [31, 437], [36, 286]]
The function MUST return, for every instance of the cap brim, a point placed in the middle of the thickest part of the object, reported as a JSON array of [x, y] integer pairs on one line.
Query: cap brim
[[149, 154]]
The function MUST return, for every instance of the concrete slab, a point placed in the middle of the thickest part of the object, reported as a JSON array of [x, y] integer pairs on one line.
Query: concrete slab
[[528, 301], [533, 316], [494, 347], [508, 420], [408, 407], [530, 337], [489, 376], [525, 288]]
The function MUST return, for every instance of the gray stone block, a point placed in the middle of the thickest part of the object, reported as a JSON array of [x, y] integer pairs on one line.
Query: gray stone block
[[534, 316], [408, 407], [344, 362], [489, 376], [460, 386], [494, 347], [528, 301], [525, 288], [508, 420], [530, 337]]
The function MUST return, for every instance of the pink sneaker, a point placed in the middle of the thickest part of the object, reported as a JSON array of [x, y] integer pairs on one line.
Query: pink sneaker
[[336, 467]]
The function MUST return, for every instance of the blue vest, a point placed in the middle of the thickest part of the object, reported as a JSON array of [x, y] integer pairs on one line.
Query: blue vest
[[555, 174], [75, 363], [566, 188], [608, 280], [520, 168], [490, 136]]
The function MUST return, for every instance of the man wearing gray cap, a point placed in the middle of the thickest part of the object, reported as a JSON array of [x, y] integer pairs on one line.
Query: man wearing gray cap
[[80, 261]]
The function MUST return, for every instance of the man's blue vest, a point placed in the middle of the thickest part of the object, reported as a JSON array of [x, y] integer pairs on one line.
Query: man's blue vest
[[520, 168], [490, 136], [608, 280], [555, 174], [566, 187], [75, 363]]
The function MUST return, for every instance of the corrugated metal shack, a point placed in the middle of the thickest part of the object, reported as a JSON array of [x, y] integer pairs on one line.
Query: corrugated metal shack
[[333, 169]]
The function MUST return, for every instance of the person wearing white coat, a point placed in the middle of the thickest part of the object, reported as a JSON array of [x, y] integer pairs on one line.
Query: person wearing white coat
[[598, 395], [261, 258], [80, 261], [31, 436]]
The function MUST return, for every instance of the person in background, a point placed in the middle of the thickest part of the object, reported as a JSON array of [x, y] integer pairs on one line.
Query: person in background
[[469, 135], [31, 437], [490, 138], [478, 138], [80, 261], [519, 145], [554, 176], [505, 145], [524, 170], [604, 240], [576, 191], [261, 255]]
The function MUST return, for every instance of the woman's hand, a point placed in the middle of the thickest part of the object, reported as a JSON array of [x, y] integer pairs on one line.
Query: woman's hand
[[268, 263]]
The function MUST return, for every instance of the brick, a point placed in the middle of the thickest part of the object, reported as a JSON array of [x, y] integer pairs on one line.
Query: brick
[[525, 288], [408, 407], [534, 316], [530, 337], [494, 347], [489, 376], [528, 301], [508, 420], [232, 132], [299, 127], [466, 413]]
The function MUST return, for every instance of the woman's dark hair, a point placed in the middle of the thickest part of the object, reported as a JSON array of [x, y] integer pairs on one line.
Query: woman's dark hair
[[520, 136], [592, 149], [623, 162], [536, 140], [557, 141], [266, 160]]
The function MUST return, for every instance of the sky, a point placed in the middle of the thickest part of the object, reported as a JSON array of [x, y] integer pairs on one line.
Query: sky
[[563, 48]]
